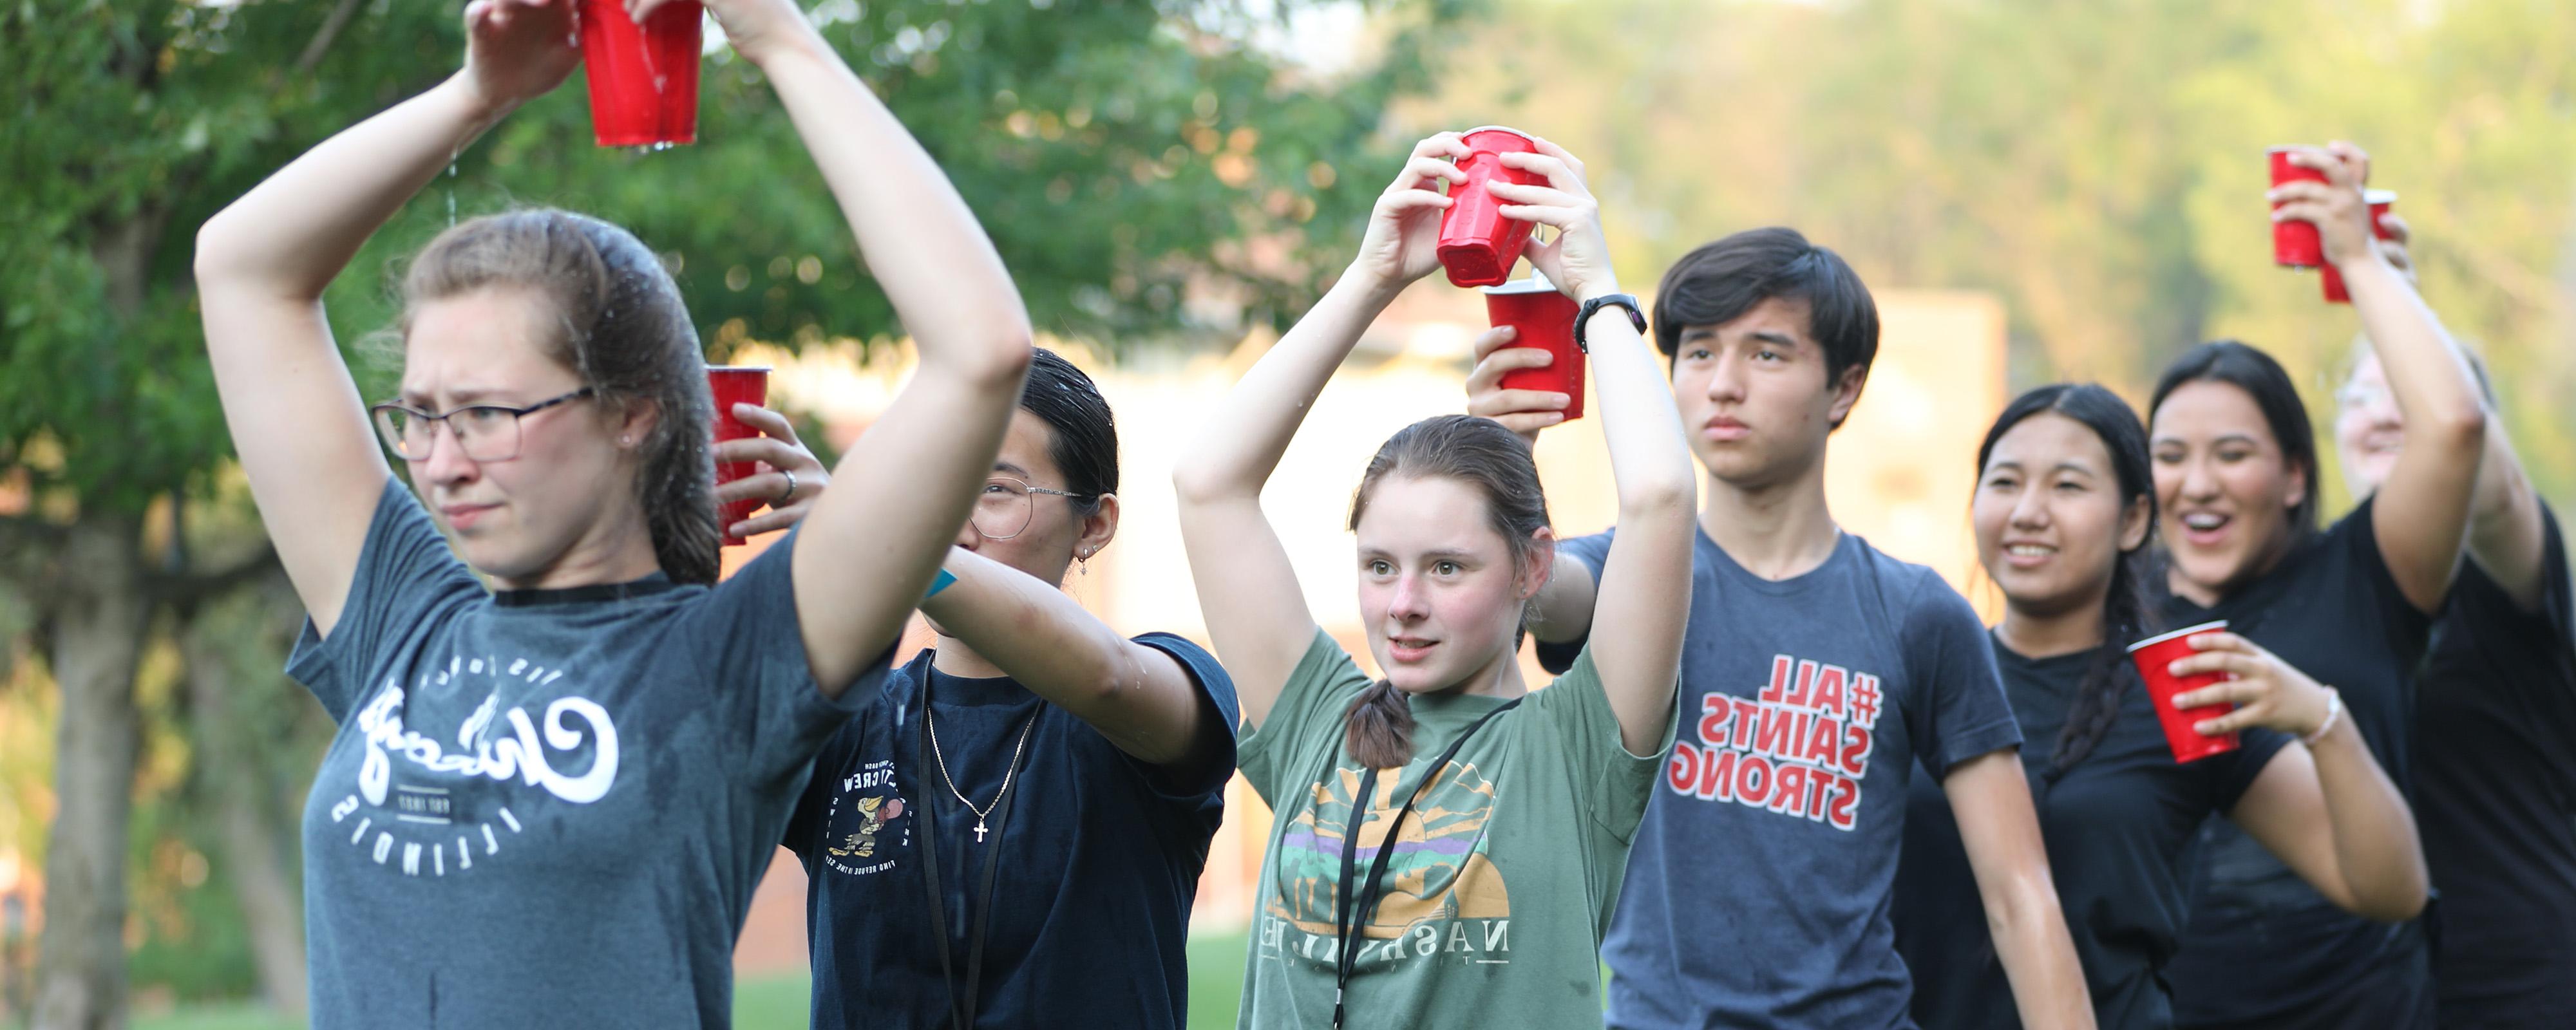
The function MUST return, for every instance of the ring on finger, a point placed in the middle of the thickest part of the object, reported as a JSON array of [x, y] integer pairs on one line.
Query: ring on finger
[[790, 493]]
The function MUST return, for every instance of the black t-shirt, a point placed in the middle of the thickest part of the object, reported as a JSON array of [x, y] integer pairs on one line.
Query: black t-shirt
[[2495, 795], [1100, 858], [2119, 826], [2333, 610]]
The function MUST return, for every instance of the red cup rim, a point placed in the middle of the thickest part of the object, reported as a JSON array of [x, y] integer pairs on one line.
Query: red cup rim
[[2183, 632], [2376, 197], [1498, 128], [2285, 146], [741, 368], [1534, 283]]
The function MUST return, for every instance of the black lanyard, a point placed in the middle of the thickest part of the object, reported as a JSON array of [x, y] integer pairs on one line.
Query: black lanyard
[[961, 1014], [1349, 919]]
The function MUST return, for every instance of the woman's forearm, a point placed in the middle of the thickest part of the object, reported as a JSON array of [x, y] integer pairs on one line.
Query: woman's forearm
[[2375, 842], [2038, 954]]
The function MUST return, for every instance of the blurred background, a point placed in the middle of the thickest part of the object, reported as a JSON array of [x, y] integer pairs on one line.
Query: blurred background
[[2035, 192]]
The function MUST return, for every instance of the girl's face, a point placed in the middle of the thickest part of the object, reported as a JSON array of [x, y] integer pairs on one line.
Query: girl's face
[[1049, 536], [568, 488], [2050, 522], [2368, 427], [1438, 591], [2226, 487]]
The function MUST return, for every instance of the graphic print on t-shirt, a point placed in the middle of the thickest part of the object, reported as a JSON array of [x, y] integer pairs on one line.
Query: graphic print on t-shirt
[[1439, 873], [859, 839], [437, 804], [1800, 747]]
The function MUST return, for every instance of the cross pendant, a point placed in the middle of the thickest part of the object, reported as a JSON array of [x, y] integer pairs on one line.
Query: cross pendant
[[979, 830]]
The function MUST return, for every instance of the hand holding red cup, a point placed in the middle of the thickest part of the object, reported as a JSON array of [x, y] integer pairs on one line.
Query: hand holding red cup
[[2230, 683], [1541, 318], [2380, 228], [2179, 707], [2319, 188], [759, 459], [1478, 244]]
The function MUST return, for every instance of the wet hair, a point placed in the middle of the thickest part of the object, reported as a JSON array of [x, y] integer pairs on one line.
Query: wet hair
[[2124, 609], [1720, 281], [1084, 434], [1482, 454], [623, 330], [2248, 369]]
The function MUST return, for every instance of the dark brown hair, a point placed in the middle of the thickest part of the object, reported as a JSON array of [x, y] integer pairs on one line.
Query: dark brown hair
[[624, 331], [1482, 454]]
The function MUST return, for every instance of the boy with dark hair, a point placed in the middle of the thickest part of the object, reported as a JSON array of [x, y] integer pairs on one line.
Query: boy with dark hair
[[1817, 673]]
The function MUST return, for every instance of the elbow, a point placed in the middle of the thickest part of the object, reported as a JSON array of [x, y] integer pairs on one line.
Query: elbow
[[2394, 906], [1662, 496], [214, 257], [1199, 481], [2462, 427], [1002, 360]]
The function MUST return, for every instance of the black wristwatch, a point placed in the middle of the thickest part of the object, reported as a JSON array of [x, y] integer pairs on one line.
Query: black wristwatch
[[1636, 317]]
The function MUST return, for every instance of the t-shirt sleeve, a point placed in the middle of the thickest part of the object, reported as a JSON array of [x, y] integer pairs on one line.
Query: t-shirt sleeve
[[405, 573], [2357, 536], [1306, 720], [1590, 551], [750, 649], [2557, 609], [1613, 783], [2234, 773], [1206, 771], [1957, 710]]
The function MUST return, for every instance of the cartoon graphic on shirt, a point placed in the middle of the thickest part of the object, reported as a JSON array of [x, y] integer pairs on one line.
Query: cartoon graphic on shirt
[[865, 804], [1442, 895], [1799, 747], [436, 803], [875, 813]]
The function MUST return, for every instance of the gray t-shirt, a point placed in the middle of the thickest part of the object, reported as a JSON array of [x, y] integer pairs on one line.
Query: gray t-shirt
[[1759, 888], [546, 807]]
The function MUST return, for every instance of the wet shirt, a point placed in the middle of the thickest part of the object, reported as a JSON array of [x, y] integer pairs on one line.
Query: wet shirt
[[546, 807]]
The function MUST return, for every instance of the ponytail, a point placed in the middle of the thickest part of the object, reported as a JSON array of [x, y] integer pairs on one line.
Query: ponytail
[[1379, 727]]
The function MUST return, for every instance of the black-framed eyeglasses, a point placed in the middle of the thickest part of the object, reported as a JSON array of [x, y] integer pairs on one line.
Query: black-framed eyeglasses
[[1002, 509], [485, 432]]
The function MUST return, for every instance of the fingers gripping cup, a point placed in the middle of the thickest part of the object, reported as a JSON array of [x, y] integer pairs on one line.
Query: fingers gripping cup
[[643, 78], [2379, 201], [2154, 656], [1477, 244], [735, 384], [2295, 243], [1544, 319]]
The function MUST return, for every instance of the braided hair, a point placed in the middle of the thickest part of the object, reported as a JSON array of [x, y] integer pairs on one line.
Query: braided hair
[[2124, 608]]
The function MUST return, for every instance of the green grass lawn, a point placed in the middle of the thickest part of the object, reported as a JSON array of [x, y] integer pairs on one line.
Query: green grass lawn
[[1216, 981]]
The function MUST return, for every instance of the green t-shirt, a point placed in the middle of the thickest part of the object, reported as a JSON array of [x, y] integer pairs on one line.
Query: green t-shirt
[[1504, 875]]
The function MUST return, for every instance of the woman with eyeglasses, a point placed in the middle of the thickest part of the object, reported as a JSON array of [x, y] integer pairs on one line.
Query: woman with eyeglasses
[[550, 799], [1010, 832]]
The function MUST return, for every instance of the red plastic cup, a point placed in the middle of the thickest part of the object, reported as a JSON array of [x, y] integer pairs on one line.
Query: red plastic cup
[[1477, 244], [2294, 242], [2379, 201], [1545, 318], [643, 79], [2153, 656], [736, 384]]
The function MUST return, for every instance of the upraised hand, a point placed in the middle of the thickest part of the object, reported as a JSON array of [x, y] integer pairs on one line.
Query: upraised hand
[[1522, 411], [1578, 259], [518, 50], [2267, 691], [2336, 205], [1402, 242]]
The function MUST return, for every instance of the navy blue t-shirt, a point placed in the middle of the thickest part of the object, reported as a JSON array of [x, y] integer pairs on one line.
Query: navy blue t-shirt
[[1100, 858], [2496, 797], [2332, 610], [1759, 887], [2119, 826]]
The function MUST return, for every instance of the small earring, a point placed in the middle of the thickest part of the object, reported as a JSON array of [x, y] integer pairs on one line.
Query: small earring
[[1085, 562], [626, 441]]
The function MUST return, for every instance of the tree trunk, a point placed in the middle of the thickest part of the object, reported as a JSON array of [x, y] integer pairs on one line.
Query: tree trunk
[[237, 782], [100, 614]]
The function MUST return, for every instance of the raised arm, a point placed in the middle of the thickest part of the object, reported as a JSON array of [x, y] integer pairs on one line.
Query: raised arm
[[2507, 537], [2421, 513], [2326, 810], [866, 553], [262, 263], [1643, 598], [1138, 697], [1248, 592]]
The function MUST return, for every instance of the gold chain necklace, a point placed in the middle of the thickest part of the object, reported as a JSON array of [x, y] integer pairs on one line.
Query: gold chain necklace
[[1007, 773]]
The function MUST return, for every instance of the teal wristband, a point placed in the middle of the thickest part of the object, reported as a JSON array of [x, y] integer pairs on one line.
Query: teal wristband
[[939, 582]]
